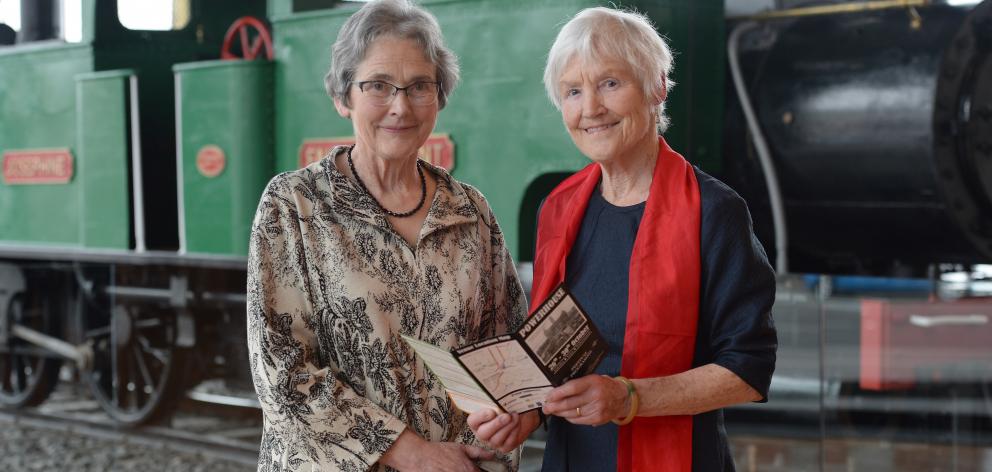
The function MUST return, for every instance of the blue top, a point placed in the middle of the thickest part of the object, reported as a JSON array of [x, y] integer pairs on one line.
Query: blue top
[[735, 330]]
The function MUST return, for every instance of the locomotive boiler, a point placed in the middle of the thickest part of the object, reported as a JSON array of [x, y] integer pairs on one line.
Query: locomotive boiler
[[879, 127]]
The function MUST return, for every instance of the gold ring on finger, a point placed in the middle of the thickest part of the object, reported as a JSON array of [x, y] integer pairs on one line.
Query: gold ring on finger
[[578, 411]]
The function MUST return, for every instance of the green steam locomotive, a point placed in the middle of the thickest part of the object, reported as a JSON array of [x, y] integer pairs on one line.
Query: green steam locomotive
[[133, 161]]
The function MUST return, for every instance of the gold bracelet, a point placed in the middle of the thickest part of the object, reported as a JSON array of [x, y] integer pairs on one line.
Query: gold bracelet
[[635, 400]]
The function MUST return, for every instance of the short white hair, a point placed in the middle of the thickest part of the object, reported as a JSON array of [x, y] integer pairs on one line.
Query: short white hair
[[604, 33]]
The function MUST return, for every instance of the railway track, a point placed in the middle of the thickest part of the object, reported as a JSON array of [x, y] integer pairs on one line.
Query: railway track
[[215, 433], [208, 425]]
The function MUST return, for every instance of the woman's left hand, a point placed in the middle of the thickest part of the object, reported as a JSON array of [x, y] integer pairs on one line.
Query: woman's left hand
[[592, 400], [503, 431]]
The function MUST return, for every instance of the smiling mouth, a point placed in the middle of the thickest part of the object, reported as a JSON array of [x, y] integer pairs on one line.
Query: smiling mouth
[[600, 128], [397, 129]]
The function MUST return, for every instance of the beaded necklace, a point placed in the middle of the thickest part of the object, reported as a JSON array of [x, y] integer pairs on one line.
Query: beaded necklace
[[423, 189]]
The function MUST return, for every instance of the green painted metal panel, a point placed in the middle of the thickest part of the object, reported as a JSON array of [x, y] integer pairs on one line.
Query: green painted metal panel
[[38, 111], [695, 30], [279, 8], [506, 133], [104, 168], [227, 104], [152, 54]]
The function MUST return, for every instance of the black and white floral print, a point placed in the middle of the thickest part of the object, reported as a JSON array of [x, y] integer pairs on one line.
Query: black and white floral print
[[331, 287]]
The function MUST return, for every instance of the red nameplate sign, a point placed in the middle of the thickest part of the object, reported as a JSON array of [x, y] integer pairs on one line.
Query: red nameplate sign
[[40, 166], [438, 150]]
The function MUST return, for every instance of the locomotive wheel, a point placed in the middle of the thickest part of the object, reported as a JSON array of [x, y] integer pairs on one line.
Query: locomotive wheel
[[28, 374], [137, 374]]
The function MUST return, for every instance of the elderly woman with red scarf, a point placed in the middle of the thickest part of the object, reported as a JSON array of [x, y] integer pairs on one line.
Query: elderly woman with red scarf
[[662, 256]]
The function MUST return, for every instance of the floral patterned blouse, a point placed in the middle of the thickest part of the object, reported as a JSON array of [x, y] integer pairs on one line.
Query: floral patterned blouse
[[331, 287]]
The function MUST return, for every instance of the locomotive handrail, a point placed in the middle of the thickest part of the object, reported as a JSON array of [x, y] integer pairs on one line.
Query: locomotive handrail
[[848, 7]]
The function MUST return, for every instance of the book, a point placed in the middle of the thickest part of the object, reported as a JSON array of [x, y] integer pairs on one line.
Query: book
[[514, 372]]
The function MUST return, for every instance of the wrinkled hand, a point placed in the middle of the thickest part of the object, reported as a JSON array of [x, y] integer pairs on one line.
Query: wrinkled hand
[[503, 431], [453, 457], [411, 453], [591, 400]]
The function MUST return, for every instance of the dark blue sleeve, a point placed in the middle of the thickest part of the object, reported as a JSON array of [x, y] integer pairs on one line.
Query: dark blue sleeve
[[737, 290]]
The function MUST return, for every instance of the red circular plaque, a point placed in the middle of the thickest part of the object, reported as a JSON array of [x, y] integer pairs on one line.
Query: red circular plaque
[[210, 161]]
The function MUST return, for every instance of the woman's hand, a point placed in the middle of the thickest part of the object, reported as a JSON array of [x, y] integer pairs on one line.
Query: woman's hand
[[412, 453], [503, 431], [593, 400]]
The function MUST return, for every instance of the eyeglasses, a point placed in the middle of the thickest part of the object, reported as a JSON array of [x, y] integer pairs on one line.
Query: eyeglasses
[[381, 93]]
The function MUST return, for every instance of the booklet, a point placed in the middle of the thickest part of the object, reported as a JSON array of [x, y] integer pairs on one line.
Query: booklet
[[514, 372]]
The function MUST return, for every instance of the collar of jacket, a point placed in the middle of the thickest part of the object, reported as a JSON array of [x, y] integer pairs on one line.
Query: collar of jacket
[[451, 205]]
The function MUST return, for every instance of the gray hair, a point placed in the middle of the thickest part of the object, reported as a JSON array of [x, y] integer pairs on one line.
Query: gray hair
[[600, 33], [398, 18]]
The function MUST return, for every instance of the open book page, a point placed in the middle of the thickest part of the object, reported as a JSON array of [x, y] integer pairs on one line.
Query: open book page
[[514, 372], [462, 388], [563, 338], [509, 374]]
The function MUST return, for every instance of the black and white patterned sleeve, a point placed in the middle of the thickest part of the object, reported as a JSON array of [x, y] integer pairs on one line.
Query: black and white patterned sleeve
[[511, 304], [312, 416]]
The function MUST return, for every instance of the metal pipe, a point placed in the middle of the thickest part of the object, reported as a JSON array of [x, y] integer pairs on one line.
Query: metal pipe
[[849, 7], [764, 153], [39, 20], [82, 355], [178, 293], [229, 400], [142, 293], [229, 298]]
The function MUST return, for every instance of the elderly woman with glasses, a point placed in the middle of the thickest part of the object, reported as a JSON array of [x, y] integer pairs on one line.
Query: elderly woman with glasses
[[664, 260], [368, 244]]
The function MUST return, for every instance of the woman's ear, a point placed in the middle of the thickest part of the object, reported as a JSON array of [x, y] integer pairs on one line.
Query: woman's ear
[[664, 92], [342, 109]]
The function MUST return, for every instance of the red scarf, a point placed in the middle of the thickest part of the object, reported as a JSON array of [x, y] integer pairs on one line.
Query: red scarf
[[663, 297]]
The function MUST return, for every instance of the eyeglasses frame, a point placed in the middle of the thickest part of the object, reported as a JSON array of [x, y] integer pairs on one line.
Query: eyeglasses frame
[[398, 89]]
